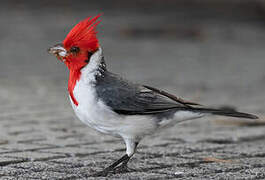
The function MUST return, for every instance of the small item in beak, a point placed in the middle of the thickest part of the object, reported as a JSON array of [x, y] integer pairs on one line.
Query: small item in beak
[[58, 51]]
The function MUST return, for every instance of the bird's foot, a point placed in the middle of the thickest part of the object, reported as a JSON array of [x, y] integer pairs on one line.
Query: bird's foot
[[103, 173], [123, 168], [115, 167]]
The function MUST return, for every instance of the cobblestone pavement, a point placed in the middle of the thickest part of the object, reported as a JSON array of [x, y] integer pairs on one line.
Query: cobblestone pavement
[[215, 62]]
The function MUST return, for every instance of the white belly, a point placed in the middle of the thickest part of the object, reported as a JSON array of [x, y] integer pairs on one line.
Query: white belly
[[91, 110]]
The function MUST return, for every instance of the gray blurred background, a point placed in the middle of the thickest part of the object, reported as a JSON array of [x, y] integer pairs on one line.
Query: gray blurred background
[[210, 51]]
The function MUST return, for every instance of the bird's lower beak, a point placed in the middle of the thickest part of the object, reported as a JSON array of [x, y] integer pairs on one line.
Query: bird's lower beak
[[58, 51]]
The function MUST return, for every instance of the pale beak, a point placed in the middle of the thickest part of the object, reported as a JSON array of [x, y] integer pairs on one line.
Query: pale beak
[[59, 51]]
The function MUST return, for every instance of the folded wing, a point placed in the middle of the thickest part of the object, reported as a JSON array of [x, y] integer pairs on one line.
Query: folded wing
[[127, 98]]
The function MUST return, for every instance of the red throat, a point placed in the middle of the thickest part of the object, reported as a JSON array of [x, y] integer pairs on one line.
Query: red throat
[[74, 76], [83, 37]]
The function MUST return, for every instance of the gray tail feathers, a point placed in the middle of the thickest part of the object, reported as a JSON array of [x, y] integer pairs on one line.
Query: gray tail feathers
[[226, 112]]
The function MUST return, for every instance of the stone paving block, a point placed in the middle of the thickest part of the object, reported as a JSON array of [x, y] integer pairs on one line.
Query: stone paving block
[[10, 178], [10, 160], [249, 149], [19, 147], [180, 149], [46, 175], [256, 173], [149, 176], [15, 172], [32, 156], [72, 151]]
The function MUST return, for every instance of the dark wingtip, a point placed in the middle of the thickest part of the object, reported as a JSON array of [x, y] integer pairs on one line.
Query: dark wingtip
[[251, 116], [231, 113], [244, 115]]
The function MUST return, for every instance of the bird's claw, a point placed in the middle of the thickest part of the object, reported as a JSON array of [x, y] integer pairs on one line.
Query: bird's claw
[[100, 174], [122, 169], [119, 169]]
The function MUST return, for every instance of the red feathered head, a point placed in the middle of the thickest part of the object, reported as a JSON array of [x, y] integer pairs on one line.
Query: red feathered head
[[80, 43], [83, 35]]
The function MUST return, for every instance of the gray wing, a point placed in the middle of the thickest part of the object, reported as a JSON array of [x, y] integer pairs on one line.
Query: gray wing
[[132, 99]]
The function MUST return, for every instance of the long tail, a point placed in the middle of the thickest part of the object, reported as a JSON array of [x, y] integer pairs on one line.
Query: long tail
[[226, 112]]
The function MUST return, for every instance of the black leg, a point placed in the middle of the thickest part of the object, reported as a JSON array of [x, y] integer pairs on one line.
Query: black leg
[[115, 166], [105, 172], [123, 167], [124, 158]]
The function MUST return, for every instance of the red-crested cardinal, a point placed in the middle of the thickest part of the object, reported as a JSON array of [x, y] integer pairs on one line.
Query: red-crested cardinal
[[113, 105]]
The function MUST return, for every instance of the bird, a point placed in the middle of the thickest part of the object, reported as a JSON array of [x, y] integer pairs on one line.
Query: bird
[[115, 106]]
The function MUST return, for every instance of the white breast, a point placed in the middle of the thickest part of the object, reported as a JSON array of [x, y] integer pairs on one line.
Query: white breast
[[91, 110]]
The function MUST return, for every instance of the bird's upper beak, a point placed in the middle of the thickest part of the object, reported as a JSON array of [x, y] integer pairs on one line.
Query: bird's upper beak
[[59, 51]]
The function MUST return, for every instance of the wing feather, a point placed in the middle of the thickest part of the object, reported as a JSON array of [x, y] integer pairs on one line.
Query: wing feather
[[128, 98]]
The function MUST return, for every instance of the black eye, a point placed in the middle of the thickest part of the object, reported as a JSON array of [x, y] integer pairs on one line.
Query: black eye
[[74, 49]]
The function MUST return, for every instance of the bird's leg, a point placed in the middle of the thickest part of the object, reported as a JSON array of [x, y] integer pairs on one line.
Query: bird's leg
[[130, 146], [105, 171], [123, 167]]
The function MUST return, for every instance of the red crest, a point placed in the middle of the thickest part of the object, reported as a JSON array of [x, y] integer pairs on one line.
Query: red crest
[[83, 35]]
